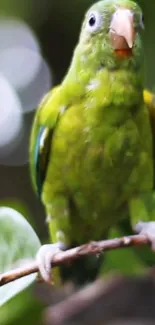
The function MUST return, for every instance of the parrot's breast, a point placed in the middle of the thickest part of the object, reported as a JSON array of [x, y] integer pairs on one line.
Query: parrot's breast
[[101, 155], [102, 166]]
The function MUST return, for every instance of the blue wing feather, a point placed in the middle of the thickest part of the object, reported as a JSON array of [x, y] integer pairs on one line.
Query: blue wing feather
[[41, 156]]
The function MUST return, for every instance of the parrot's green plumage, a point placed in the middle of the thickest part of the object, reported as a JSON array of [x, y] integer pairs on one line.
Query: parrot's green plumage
[[91, 143]]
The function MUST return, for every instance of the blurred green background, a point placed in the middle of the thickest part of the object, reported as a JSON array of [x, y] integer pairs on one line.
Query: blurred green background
[[37, 38]]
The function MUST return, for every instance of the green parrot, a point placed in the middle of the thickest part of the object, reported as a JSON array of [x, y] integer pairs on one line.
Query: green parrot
[[91, 146]]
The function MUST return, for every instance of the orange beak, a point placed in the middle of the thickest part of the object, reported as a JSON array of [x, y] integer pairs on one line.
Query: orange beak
[[122, 31]]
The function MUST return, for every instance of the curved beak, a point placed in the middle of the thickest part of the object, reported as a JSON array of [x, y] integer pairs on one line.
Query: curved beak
[[122, 29]]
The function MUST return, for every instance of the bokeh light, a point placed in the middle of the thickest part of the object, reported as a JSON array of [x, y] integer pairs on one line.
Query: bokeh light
[[19, 65], [38, 85], [16, 33], [25, 77], [10, 115], [17, 154]]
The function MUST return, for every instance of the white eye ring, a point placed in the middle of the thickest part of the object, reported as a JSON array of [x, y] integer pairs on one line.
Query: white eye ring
[[94, 21]]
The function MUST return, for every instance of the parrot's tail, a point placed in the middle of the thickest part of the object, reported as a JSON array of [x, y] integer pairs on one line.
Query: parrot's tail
[[83, 270]]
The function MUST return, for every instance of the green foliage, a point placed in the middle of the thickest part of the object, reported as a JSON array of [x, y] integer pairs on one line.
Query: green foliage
[[124, 261], [18, 244], [22, 309]]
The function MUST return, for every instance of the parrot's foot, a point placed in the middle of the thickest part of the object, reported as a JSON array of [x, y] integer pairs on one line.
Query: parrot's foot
[[147, 228], [44, 259]]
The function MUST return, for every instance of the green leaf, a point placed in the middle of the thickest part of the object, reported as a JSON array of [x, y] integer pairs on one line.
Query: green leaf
[[23, 309], [18, 244]]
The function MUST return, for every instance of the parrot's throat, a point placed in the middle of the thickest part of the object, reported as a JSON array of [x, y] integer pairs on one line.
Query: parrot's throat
[[126, 89], [123, 53], [114, 95]]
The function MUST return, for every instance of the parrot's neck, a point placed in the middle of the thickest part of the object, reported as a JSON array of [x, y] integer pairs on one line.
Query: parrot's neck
[[115, 88], [117, 85]]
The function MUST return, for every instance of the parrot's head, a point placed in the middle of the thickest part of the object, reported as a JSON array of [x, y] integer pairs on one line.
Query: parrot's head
[[111, 34]]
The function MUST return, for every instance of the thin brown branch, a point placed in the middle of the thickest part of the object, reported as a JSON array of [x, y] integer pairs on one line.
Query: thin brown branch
[[74, 253]]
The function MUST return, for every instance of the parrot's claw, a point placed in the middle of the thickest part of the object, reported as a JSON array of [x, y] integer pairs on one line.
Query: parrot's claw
[[147, 228], [44, 259]]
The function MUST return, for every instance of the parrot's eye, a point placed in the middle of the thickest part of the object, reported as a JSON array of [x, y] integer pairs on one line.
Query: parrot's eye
[[142, 21], [93, 22]]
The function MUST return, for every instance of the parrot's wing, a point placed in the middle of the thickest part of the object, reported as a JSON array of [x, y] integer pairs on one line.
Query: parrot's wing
[[149, 99], [41, 156], [40, 139]]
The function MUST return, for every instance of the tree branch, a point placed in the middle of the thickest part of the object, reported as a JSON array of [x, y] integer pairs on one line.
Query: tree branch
[[74, 253], [108, 300]]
